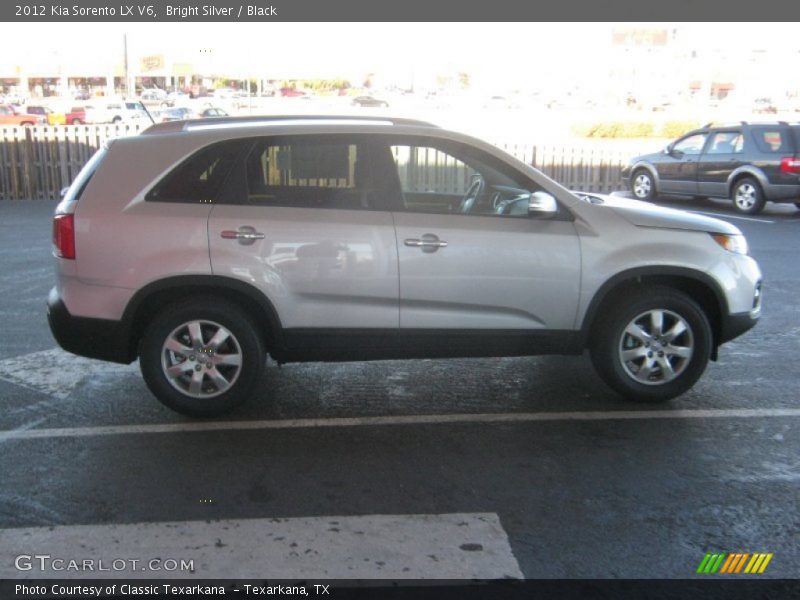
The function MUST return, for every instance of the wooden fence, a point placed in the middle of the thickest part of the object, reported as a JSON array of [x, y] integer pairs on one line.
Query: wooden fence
[[37, 162]]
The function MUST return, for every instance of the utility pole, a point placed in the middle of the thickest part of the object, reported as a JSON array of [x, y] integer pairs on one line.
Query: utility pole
[[125, 64]]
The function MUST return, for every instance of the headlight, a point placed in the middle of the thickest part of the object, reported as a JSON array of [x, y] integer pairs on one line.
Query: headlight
[[732, 243]]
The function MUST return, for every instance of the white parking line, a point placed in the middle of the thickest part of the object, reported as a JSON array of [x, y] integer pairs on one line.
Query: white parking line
[[733, 413], [446, 546], [56, 372], [726, 216]]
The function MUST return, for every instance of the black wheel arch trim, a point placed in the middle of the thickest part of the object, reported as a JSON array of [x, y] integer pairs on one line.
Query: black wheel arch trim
[[209, 283], [647, 167], [635, 275], [747, 171]]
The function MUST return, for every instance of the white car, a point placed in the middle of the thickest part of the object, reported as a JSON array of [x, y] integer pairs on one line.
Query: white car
[[116, 111]]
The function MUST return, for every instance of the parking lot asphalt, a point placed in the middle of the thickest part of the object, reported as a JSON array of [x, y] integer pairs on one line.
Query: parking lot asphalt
[[547, 470]]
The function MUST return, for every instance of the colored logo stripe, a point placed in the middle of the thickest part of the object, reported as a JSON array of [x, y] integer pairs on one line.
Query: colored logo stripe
[[734, 562], [710, 563]]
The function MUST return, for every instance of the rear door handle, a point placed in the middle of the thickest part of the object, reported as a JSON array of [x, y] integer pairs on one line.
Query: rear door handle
[[245, 234]]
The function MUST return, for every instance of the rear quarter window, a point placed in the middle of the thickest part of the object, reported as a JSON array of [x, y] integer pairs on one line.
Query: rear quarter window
[[199, 178], [773, 140]]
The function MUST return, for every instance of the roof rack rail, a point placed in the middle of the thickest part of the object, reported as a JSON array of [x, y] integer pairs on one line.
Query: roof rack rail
[[224, 122], [715, 124]]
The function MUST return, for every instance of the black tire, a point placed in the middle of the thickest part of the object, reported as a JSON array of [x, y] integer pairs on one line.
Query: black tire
[[610, 339], [643, 185], [211, 399], [116, 120], [747, 196]]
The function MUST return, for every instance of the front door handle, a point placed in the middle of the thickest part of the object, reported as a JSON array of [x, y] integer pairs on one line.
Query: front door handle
[[245, 234], [428, 243]]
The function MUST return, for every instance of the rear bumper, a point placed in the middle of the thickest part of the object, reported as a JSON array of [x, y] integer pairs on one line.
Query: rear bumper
[[93, 338], [782, 193]]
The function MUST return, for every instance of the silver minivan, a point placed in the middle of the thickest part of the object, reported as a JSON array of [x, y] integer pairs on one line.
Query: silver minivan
[[200, 247]]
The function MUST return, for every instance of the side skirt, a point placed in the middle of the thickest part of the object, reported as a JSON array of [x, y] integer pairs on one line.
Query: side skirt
[[335, 345]]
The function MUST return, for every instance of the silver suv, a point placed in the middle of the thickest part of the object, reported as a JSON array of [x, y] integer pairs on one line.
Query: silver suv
[[200, 247]]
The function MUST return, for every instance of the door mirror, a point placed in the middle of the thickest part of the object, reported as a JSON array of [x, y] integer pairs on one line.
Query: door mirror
[[542, 204], [671, 151]]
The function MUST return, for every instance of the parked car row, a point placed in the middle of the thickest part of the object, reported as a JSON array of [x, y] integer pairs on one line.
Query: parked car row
[[13, 115], [183, 113]]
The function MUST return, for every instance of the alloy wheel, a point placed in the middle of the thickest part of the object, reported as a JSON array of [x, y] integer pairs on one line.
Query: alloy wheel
[[201, 359], [642, 185], [745, 196], [656, 347]]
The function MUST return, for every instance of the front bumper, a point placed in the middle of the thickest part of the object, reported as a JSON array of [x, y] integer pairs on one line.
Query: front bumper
[[93, 338], [735, 325]]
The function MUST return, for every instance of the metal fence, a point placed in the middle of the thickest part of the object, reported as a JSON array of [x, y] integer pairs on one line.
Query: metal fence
[[37, 162]]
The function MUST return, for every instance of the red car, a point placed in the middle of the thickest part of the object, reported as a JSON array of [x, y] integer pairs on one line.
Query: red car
[[10, 116], [76, 116], [291, 93]]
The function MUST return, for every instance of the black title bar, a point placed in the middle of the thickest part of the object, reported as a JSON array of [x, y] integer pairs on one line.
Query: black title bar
[[398, 10]]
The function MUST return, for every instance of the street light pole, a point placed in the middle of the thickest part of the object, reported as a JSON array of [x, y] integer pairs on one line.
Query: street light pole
[[125, 64]]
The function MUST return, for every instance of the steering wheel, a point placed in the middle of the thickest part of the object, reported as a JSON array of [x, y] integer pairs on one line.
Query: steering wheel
[[471, 195]]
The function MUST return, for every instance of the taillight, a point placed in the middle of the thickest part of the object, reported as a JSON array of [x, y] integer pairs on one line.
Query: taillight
[[790, 165], [64, 236]]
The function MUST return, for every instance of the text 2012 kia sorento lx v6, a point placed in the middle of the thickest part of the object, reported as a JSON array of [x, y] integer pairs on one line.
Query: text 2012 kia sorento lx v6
[[198, 247]]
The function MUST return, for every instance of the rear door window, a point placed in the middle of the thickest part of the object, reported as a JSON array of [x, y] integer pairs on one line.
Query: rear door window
[[304, 172], [726, 142]]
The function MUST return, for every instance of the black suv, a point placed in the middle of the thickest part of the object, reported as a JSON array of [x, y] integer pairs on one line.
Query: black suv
[[750, 163]]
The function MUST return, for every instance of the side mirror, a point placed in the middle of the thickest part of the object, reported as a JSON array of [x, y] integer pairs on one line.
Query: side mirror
[[64, 191], [542, 204]]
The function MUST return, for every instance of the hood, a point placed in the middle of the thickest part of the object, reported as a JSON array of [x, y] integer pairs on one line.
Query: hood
[[645, 214]]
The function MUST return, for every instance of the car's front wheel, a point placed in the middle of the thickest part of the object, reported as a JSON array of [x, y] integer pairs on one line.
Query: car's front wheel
[[642, 185], [202, 357], [652, 345]]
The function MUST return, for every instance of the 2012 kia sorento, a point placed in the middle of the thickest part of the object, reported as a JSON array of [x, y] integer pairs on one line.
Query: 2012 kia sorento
[[198, 247]]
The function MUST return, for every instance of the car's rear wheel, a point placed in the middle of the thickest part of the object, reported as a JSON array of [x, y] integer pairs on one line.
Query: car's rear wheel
[[202, 357], [643, 185], [652, 345], [76, 122], [747, 196]]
